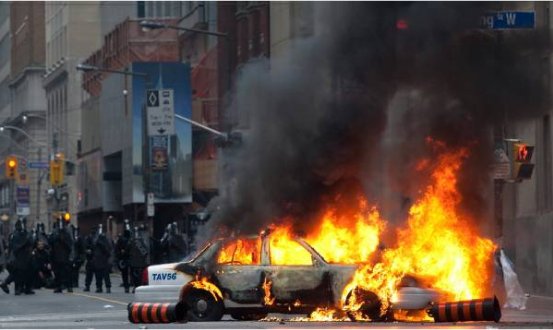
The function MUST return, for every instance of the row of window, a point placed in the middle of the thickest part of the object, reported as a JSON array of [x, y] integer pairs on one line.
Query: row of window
[[247, 251]]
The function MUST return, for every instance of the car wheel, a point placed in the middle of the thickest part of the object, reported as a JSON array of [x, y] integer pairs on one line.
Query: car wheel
[[248, 316], [202, 306], [370, 306]]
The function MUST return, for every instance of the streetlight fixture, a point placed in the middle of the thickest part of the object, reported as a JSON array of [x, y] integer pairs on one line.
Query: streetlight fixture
[[91, 68], [153, 25], [2, 128]]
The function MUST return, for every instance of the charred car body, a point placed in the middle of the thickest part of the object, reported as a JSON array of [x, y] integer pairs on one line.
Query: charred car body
[[244, 278]]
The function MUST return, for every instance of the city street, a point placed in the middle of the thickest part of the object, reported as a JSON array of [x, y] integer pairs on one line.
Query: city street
[[354, 160], [86, 310]]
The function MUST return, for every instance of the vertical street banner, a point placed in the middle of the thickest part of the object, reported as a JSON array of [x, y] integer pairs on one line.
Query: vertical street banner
[[159, 160], [22, 178], [23, 200], [150, 208]]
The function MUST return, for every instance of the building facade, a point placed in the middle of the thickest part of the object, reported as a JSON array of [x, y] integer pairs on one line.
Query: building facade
[[5, 109], [72, 32], [26, 123], [525, 227]]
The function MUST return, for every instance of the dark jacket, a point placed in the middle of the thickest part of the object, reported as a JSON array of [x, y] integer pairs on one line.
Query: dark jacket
[[61, 244], [139, 252], [174, 247], [41, 260], [102, 251], [21, 247], [80, 251]]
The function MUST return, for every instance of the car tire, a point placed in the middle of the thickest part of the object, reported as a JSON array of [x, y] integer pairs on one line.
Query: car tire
[[370, 308], [248, 316], [202, 307]]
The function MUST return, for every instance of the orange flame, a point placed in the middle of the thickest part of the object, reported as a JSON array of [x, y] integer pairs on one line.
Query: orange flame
[[438, 243], [204, 284], [268, 298], [338, 242], [286, 251], [240, 251]]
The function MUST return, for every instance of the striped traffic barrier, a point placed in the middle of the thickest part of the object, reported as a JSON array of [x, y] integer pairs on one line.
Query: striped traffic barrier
[[155, 312], [471, 310]]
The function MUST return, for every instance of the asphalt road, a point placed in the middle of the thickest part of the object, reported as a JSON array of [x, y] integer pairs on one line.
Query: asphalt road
[[91, 310]]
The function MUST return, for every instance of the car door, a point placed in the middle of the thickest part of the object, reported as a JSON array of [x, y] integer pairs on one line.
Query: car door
[[297, 276], [239, 270]]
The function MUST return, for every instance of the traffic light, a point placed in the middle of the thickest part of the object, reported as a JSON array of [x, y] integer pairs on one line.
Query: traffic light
[[67, 216], [521, 157], [57, 169], [11, 167]]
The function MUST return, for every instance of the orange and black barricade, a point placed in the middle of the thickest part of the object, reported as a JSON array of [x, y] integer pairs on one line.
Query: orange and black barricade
[[141, 312], [471, 310]]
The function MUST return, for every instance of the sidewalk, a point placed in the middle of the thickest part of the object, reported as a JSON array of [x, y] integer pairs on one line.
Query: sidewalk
[[538, 309]]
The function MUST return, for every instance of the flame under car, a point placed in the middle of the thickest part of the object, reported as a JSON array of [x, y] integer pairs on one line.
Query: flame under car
[[253, 276]]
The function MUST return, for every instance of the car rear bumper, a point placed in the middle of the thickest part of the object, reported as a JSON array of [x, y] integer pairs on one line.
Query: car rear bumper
[[413, 298]]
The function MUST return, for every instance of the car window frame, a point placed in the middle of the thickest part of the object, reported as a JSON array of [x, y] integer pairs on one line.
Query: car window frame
[[233, 240], [316, 259]]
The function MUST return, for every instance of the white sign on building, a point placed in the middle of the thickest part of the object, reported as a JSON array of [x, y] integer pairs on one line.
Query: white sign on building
[[160, 112], [150, 208]]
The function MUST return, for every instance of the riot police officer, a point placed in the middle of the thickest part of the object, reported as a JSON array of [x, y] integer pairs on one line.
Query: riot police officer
[[21, 246], [80, 255], [42, 266], [89, 246], [139, 255], [173, 244], [9, 260], [122, 254], [63, 254], [3, 257], [101, 260]]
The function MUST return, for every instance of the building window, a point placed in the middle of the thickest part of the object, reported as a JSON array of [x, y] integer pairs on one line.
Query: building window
[[141, 9]]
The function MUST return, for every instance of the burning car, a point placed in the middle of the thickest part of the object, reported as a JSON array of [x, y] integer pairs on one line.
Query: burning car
[[250, 277]]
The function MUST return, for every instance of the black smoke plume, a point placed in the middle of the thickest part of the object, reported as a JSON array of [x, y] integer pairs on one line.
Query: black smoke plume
[[347, 110]]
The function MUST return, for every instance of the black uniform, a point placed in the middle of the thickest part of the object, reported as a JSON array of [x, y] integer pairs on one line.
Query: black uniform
[[89, 246], [173, 244], [21, 246], [61, 242], [42, 266], [139, 256], [122, 254], [3, 249], [101, 261], [80, 256], [4, 262]]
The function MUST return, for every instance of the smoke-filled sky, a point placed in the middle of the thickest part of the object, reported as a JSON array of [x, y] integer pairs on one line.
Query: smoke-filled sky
[[348, 109]]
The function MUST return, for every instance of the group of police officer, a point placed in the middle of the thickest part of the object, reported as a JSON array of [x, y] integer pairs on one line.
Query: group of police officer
[[35, 259]]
